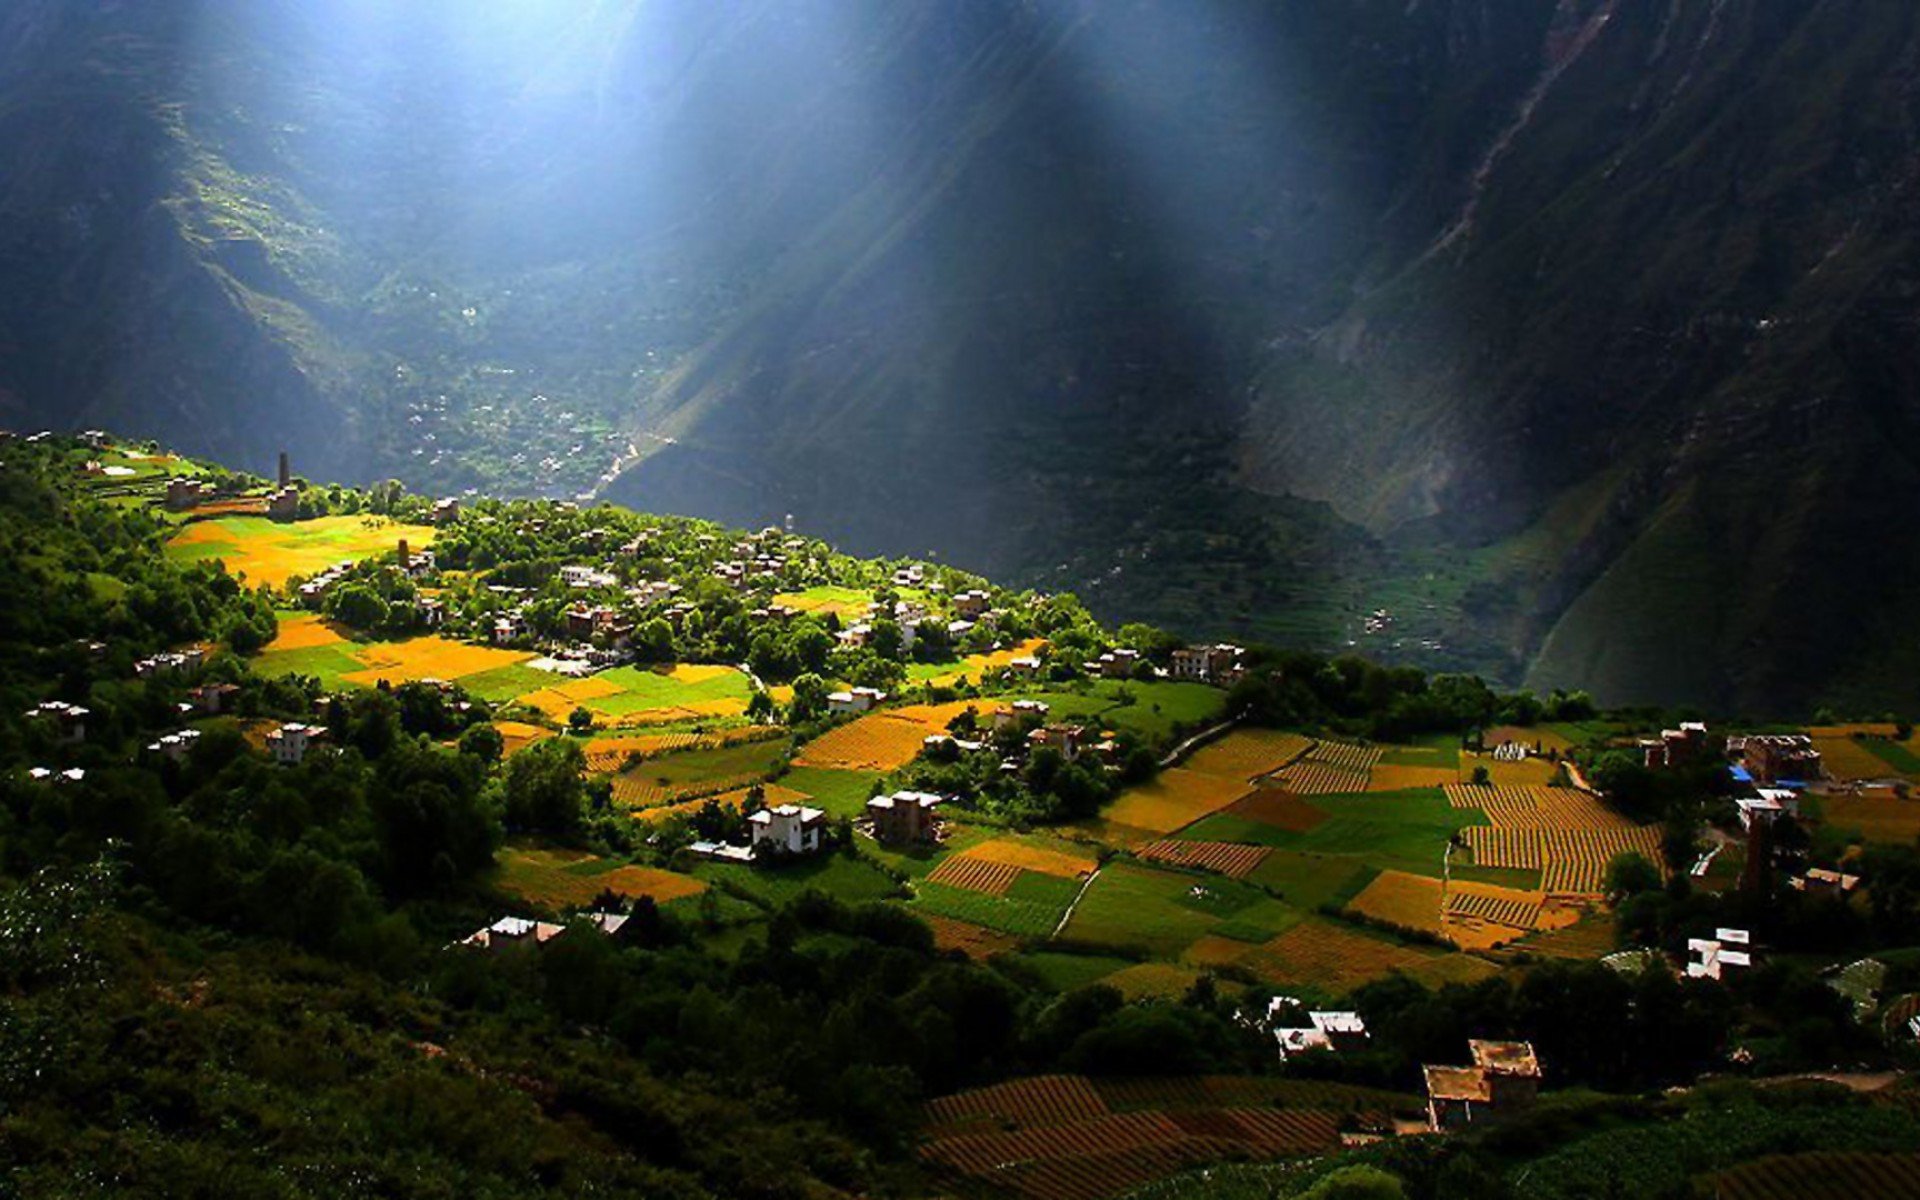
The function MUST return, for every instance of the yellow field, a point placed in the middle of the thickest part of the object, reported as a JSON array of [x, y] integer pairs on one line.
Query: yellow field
[[517, 735], [1543, 740], [1573, 861], [1409, 901], [1846, 760], [1386, 777], [1151, 980], [304, 631], [568, 879], [1879, 818], [1536, 807], [1244, 754], [772, 793], [609, 755], [268, 553], [430, 657], [880, 741], [975, 666], [1051, 858], [1173, 799], [1318, 953]]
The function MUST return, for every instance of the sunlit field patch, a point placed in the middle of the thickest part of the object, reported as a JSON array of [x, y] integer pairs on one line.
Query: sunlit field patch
[[1246, 753], [557, 879], [270, 552], [880, 741], [1174, 798]]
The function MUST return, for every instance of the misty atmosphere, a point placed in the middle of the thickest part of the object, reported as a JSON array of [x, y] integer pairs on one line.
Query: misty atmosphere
[[1071, 599]]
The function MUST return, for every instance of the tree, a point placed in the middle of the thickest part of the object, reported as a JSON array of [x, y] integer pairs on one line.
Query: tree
[[809, 699], [544, 787], [1356, 1183], [580, 720], [1481, 776], [1629, 873], [483, 742]]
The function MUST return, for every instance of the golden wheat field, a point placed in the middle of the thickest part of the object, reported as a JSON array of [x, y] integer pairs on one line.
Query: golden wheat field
[[516, 736], [1152, 980], [305, 631], [1392, 777], [771, 793], [429, 657], [1244, 754], [1398, 898], [1879, 817], [1536, 807], [1173, 799], [270, 552], [1541, 740], [1320, 954], [880, 741], [1572, 861], [1028, 853], [1846, 760], [975, 875], [1311, 777], [1228, 858]]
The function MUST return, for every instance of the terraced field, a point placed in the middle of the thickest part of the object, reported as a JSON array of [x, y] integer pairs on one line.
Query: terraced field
[[880, 741], [1068, 1138], [1536, 807], [1573, 862], [1244, 754], [1227, 858]]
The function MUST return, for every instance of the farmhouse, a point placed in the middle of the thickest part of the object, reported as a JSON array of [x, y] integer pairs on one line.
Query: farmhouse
[[1504, 1078], [509, 628], [1024, 667], [511, 933], [575, 575], [1781, 758], [1769, 805], [49, 775], [904, 817], [170, 662], [283, 504], [431, 610], [184, 493], [970, 605], [1067, 739], [289, 743], [445, 511], [857, 700], [1011, 716], [1335, 1031], [788, 829], [69, 719], [1674, 747], [1712, 958], [211, 698], [175, 745], [1117, 664], [1206, 664], [1819, 881], [721, 852]]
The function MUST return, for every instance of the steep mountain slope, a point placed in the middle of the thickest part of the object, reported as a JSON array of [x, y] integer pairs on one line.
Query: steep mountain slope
[[1576, 335]]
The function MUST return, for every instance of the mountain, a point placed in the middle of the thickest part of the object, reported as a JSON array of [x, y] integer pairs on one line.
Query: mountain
[[1578, 337]]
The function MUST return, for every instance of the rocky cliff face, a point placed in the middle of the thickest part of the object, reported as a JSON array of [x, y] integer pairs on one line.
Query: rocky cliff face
[[1578, 335]]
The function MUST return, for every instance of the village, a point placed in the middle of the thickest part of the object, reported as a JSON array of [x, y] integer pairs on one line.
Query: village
[[755, 718]]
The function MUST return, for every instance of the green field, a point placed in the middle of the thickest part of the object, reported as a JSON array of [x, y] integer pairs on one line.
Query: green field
[[1024, 917], [1163, 912], [1893, 754], [505, 683], [1062, 972], [842, 793], [329, 664], [1437, 750], [686, 768], [643, 689], [1310, 880], [1151, 710], [850, 879]]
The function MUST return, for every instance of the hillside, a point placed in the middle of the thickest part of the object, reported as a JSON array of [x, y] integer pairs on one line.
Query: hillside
[[1575, 336]]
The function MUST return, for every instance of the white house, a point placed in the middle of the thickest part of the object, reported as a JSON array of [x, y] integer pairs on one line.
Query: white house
[[71, 719], [1712, 958], [858, 700], [790, 828], [289, 743], [175, 745]]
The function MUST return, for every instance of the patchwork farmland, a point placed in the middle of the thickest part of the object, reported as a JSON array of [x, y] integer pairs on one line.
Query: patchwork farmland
[[270, 552]]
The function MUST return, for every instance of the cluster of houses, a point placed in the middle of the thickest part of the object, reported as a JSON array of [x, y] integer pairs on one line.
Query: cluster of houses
[[68, 720], [1674, 747], [514, 933], [1332, 1032], [1221, 665], [315, 589], [171, 662], [1503, 1079]]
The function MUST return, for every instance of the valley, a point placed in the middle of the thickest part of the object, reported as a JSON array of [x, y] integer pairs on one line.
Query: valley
[[573, 760]]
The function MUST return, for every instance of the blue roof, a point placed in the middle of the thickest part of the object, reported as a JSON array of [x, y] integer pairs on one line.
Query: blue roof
[[1741, 774]]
